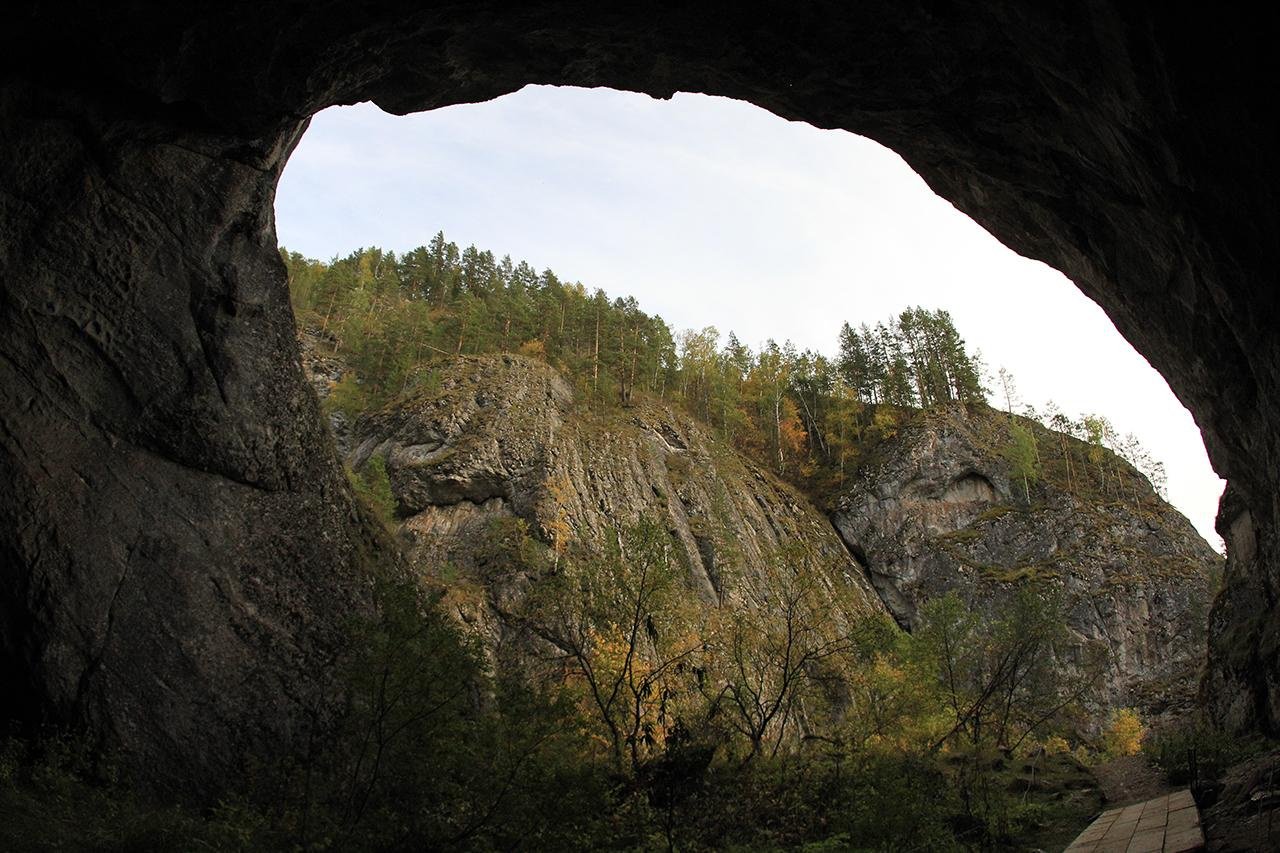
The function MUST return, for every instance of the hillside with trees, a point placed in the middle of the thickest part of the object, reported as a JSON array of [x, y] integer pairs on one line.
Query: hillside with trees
[[722, 672], [645, 585], [594, 499], [809, 417]]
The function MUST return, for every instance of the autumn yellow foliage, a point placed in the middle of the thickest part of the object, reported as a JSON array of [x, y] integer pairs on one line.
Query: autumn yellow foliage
[[534, 349], [1124, 735], [1056, 745]]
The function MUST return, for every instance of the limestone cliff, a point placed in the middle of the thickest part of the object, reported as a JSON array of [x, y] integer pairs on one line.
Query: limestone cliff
[[935, 509], [499, 437]]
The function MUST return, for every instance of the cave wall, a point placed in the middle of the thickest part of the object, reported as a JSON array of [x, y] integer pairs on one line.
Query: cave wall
[[178, 542], [178, 547]]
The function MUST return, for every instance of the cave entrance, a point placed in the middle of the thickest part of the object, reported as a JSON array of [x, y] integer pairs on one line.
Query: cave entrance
[[714, 212], [148, 363]]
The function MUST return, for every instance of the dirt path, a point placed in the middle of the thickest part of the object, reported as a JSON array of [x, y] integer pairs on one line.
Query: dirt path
[[1129, 780]]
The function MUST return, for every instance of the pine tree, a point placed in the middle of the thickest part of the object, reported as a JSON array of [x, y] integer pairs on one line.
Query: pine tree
[[1023, 456]]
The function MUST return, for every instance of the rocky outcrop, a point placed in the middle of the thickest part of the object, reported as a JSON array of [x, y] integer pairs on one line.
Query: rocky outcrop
[[500, 437], [934, 510], [155, 429], [324, 370]]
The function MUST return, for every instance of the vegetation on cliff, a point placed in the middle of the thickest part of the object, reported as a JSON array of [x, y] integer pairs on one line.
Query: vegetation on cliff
[[685, 678], [979, 503], [664, 696], [651, 724], [808, 416]]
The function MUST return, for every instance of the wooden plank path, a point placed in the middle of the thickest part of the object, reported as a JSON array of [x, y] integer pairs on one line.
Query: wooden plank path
[[1168, 824]]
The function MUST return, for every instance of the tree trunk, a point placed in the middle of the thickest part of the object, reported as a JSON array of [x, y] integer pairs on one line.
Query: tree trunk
[[595, 359]]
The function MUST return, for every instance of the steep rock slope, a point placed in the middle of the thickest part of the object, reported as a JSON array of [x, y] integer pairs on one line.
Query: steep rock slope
[[935, 509], [500, 438], [144, 311]]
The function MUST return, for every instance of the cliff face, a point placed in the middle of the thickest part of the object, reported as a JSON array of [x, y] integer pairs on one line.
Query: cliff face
[[147, 361], [935, 509], [500, 438]]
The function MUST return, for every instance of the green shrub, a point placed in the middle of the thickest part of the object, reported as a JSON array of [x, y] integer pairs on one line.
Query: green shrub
[[417, 745], [56, 793], [348, 396], [1193, 751], [373, 487]]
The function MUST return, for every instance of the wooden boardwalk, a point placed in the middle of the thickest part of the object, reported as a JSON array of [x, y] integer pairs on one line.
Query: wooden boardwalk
[[1168, 824]]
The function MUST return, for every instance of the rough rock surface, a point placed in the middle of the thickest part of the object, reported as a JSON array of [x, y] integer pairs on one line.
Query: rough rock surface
[[324, 370], [500, 437], [934, 510], [177, 537], [154, 425]]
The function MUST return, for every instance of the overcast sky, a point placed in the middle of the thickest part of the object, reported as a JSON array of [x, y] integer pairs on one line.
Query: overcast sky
[[714, 212]]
